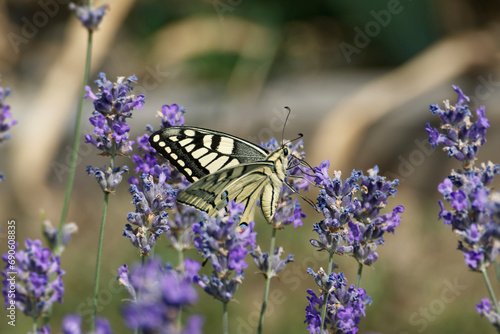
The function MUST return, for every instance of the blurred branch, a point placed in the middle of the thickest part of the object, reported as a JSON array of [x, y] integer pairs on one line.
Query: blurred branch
[[54, 105], [255, 45], [5, 55], [197, 35], [340, 133]]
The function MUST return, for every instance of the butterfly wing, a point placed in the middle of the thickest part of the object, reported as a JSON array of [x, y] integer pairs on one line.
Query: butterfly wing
[[243, 184], [197, 152]]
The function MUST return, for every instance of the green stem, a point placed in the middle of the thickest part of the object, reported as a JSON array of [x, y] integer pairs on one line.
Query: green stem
[[490, 288], [98, 261], [358, 278], [497, 271], [180, 254], [325, 295], [225, 320], [268, 282], [76, 146], [35, 327]]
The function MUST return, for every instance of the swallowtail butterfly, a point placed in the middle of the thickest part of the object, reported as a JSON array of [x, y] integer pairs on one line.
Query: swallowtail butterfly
[[222, 168]]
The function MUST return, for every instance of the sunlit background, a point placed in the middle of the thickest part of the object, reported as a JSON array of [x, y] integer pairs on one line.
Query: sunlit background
[[359, 77]]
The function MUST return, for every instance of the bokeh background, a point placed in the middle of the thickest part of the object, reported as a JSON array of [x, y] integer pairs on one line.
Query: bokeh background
[[359, 77]]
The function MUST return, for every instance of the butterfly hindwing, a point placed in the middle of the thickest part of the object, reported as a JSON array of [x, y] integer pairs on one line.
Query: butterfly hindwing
[[242, 184], [197, 152]]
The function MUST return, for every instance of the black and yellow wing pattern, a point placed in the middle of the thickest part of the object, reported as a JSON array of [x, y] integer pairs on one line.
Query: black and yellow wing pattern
[[222, 168]]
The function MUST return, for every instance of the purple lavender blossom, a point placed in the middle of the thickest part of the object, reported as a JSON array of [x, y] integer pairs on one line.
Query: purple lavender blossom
[[474, 208], [6, 121], [460, 137], [262, 261], [157, 296], [90, 17], [218, 240], [51, 233], [113, 106], [32, 279], [107, 178], [353, 223], [472, 218], [72, 324], [158, 186], [345, 305], [170, 115], [485, 308], [152, 196], [180, 233]]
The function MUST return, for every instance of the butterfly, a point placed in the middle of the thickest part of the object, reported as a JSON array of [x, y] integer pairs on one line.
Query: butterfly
[[222, 168]]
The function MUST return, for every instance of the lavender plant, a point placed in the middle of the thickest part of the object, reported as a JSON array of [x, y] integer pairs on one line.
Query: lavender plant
[[32, 283], [113, 105], [6, 121], [154, 193], [355, 226], [157, 297], [225, 247], [473, 212], [90, 18]]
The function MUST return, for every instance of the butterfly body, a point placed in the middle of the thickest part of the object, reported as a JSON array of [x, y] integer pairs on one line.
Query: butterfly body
[[222, 168]]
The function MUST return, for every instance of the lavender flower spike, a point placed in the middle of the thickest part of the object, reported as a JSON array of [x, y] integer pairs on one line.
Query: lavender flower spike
[[346, 305], [32, 279], [6, 121], [218, 240], [277, 264], [157, 295], [458, 135], [90, 17]]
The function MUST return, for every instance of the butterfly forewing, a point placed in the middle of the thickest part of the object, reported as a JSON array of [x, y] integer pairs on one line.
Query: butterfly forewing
[[197, 152]]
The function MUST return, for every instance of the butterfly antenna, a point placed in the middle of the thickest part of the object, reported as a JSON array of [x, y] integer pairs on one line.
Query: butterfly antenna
[[284, 125]]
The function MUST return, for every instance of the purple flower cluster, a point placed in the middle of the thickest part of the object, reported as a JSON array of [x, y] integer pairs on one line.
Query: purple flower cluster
[[485, 308], [474, 213], [152, 195], [219, 240], [289, 211], [32, 279], [90, 17], [155, 191], [353, 223], [345, 305], [51, 234], [113, 106], [472, 216], [170, 115], [157, 295], [107, 178], [72, 324], [6, 121], [460, 137], [263, 261]]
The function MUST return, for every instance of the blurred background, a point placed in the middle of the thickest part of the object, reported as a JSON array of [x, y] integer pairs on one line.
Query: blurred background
[[359, 77]]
